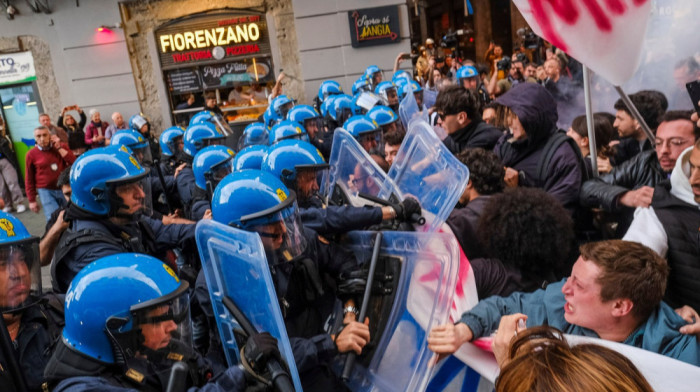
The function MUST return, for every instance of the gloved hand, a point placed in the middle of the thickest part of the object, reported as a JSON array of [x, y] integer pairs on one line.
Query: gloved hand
[[259, 348], [406, 208]]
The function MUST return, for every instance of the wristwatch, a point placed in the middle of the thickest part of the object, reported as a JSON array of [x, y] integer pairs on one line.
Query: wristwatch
[[349, 309]]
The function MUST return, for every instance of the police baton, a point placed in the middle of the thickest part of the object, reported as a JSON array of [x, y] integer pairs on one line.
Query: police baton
[[350, 360], [415, 218], [8, 353], [281, 380], [178, 377], [161, 179]]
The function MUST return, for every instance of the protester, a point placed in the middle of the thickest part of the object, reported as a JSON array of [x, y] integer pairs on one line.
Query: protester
[[540, 359], [633, 140], [44, 164], [95, 130], [603, 136], [614, 293], [76, 136]]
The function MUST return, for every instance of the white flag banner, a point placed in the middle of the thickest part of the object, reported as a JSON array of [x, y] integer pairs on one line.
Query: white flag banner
[[605, 35]]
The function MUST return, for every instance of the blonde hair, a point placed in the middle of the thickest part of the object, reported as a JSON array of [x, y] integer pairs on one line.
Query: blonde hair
[[542, 361]]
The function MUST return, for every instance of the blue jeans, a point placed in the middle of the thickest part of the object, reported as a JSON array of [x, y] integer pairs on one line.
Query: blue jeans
[[51, 200]]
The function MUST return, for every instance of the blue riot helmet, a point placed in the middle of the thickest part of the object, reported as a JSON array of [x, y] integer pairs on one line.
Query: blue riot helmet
[[365, 101], [270, 117], [250, 157], [20, 269], [300, 165], [389, 92], [118, 307], [417, 92], [288, 130], [326, 107], [468, 77], [138, 144], [341, 108], [107, 181], [400, 84], [309, 118], [137, 122], [385, 118], [207, 116], [211, 165], [328, 88], [254, 134], [401, 74], [366, 132], [201, 135], [281, 105], [258, 201], [361, 84], [171, 141], [374, 74]]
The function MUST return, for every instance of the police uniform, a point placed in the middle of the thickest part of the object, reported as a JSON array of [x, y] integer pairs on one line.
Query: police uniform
[[331, 220]]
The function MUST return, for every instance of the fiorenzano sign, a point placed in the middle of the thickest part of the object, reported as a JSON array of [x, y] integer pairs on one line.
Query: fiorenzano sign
[[212, 37]]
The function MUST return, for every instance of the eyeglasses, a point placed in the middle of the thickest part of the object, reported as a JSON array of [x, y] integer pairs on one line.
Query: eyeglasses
[[672, 142]]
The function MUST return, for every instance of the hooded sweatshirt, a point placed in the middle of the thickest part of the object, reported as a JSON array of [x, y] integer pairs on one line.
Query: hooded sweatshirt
[[646, 227], [537, 113]]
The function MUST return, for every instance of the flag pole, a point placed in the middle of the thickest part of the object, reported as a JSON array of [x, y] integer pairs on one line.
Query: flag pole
[[635, 114], [589, 120]]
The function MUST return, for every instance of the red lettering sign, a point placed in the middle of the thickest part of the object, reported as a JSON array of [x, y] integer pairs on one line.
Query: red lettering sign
[[191, 56]]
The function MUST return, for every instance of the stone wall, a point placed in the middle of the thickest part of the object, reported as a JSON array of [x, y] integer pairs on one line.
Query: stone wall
[[141, 18]]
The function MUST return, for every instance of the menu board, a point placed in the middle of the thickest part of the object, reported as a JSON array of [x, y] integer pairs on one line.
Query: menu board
[[237, 72], [184, 80]]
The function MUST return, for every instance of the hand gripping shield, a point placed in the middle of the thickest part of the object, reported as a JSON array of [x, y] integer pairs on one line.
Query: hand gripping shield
[[425, 169], [235, 266]]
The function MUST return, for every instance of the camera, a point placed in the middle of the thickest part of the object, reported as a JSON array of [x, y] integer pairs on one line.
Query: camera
[[522, 57], [530, 39], [503, 64]]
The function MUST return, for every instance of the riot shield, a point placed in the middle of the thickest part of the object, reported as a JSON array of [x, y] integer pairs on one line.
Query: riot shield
[[398, 358], [409, 110], [352, 171], [235, 267], [425, 169]]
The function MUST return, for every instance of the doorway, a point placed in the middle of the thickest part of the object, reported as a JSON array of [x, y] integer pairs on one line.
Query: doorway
[[20, 107]]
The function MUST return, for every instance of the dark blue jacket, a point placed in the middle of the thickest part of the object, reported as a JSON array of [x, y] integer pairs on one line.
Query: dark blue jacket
[[339, 219], [152, 235], [185, 185], [537, 112]]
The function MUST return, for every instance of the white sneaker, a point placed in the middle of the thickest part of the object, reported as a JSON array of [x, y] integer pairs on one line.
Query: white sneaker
[[21, 208], [7, 209]]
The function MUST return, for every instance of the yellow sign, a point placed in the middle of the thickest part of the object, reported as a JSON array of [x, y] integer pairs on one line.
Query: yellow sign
[[281, 194], [171, 272], [133, 160], [217, 36]]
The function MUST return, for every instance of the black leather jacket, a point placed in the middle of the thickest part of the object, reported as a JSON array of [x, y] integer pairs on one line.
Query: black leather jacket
[[642, 170]]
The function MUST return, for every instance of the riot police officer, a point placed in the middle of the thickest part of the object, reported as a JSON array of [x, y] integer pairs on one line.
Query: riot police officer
[[105, 214], [171, 146], [210, 166], [300, 165], [312, 122], [33, 321], [132, 340], [140, 124], [302, 265], [468, 77], [197, 136]]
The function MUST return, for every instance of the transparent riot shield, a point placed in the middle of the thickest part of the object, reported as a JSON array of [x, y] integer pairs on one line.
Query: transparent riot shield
[[235, 266], [409, 109], [399, 358], [425, 169], [352, 171]]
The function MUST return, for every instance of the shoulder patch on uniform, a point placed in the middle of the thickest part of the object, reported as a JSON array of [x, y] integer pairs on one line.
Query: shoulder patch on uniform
[[323, 240], [134, 375]]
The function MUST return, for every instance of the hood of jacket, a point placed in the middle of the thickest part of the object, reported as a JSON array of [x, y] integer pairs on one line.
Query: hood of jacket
[[535, 108]]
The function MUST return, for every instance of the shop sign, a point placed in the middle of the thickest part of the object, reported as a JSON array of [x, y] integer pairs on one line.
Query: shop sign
[[17, 68], [229, 74], [374, 26], [212, 37]]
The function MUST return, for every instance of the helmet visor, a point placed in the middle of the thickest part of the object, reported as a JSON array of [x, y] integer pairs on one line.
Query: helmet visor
[[372, 142], [20, 275], [219, 171], [262, 138], [135, 196], [165, 325], [284, 109], [308, 184], [391, 95], [142, 153], [283, 237], [314, 127], [222, 125]]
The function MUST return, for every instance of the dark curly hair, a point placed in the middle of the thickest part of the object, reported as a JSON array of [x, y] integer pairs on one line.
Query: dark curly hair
[[528, 229], [485, 170], [650, 105]]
